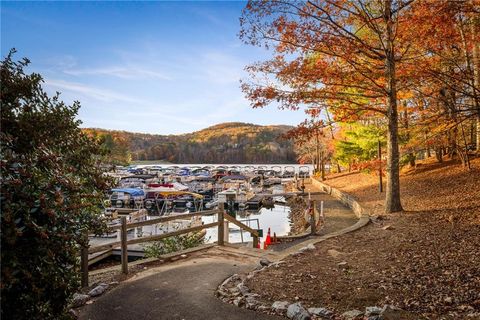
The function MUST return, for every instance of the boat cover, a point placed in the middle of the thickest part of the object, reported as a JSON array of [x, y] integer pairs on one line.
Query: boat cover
[[134, 192], [140, 176], [235, 177]]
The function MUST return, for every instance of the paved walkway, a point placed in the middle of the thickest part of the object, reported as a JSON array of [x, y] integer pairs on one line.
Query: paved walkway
[[182, 290], [185, 289], [337, 217]]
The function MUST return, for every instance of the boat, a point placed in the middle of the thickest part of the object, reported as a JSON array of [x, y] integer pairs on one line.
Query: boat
[[218, 173], [131, 198], [211, 204], [161, 202], [277, 171], [233, 181], [280, 199], [136, 180], [304, 172], [289, 172], [237, 198]]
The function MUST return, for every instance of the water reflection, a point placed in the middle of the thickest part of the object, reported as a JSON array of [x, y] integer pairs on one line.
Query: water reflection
[[277, 219]]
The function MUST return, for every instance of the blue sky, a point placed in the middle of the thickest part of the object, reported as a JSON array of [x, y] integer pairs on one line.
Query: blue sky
[[156, 67]]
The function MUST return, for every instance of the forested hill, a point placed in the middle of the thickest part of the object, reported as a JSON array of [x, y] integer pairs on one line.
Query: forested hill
[[232, 142]]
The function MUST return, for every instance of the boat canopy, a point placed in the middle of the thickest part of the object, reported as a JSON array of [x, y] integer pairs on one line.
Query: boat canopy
[[235, 177], [203, 179], [140, 176], [180, 193], [134, 192]]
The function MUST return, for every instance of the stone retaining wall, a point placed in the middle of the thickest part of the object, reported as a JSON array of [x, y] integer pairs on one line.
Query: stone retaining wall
[[345, 198]]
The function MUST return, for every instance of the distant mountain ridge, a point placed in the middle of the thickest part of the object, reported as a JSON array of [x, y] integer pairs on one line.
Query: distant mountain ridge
[[230, 142]]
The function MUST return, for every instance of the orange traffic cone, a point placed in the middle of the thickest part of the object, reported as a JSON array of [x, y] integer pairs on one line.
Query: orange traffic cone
[[274, 237], [259, 245], [268, 239]]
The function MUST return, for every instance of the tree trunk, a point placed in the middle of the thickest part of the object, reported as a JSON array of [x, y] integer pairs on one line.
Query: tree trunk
[[465, 149], [476, 75], [472, 132], [322, 165], [427, 147], [473, 64], [439, 154], [317, 152], [332, 135], [411, 159], [452, 140], [392, 201], [411, 154]]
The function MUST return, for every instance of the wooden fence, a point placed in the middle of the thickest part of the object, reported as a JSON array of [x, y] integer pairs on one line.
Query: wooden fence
[[124, 227]]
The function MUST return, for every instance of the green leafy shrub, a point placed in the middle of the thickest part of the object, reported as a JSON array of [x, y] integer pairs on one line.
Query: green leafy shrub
[[51, 191], [174, 244], [360, 144]]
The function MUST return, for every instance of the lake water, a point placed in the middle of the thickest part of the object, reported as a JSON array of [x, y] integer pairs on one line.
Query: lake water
[[277, 219]]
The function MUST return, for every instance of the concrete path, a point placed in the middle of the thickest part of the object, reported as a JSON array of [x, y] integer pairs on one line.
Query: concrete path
[[182, 290], [337, 217]]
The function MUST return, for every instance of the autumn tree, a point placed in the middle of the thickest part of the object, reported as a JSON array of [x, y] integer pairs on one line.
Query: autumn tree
[[311, 141], [51, 192], [116, 145], [438, 104], [349, 56]]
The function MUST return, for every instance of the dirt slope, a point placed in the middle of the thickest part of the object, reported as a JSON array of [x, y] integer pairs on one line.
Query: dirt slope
[[425, 260]]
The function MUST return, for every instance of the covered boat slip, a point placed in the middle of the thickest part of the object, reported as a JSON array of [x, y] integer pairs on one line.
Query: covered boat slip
[[162, 195], [186, 171]]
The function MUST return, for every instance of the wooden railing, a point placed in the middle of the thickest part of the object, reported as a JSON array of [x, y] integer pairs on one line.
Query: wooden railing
[[253, 232], [124, 226]]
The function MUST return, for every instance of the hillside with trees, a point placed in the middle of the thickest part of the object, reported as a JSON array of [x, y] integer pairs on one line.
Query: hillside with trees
[[232, 142]]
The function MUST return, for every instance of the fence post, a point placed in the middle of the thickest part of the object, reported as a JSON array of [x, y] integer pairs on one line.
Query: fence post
[[313, 223], [322, 214], [123, 236], [255, 241], [84, 266], [221, 225], [379, 155]]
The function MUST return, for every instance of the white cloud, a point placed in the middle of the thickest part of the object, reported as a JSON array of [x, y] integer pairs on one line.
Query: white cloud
[[91, 92], [119, 72]]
